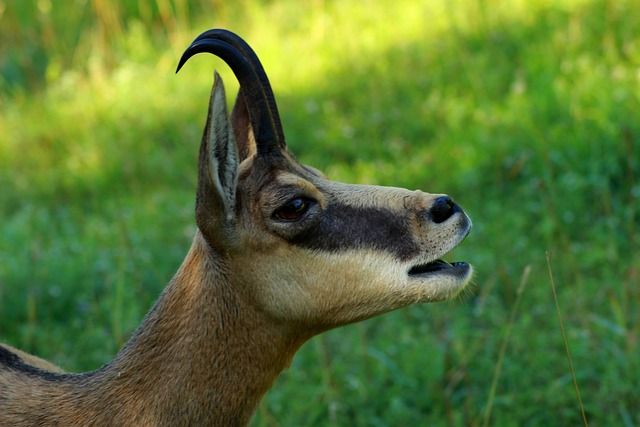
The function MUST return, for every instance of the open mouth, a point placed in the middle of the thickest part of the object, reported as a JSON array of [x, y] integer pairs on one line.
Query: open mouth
[[440, 267]]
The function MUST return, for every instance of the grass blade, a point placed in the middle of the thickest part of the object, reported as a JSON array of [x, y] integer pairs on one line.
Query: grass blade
[[564, 338], [503, 348]]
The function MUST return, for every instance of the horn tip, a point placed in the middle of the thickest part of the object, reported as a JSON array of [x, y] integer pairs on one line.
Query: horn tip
[[181, 62]]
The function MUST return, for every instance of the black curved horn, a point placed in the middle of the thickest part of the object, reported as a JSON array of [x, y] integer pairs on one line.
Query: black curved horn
[[247, 68]]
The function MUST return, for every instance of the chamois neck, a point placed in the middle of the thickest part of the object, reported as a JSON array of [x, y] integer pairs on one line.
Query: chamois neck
[[202, 353]]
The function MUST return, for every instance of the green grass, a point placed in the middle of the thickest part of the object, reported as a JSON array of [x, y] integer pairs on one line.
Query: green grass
[[525, 112]]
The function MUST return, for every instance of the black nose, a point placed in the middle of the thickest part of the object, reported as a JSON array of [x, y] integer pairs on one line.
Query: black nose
[[442, 209]]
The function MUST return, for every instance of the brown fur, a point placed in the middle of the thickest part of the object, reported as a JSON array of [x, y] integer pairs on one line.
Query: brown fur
[[250, 292]]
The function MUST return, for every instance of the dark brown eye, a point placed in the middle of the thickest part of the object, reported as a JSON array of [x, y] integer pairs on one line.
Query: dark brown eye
[[293, 209]]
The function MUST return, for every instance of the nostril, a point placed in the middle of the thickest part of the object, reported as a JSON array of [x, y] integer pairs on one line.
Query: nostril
[[442, 209]]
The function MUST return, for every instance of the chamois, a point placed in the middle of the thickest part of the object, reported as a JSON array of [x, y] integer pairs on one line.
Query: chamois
[[280, 254]]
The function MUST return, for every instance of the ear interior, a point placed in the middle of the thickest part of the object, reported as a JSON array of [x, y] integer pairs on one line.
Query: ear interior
[[222, 152], [217, 171]]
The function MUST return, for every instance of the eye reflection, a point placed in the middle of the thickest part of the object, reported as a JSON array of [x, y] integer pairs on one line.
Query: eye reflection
[[293, 209]]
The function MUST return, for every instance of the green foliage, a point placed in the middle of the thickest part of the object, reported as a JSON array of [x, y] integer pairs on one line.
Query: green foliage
[[525, 112]]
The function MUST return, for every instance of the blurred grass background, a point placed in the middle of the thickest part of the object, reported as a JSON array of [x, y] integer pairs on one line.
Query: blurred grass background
[[527, 113]]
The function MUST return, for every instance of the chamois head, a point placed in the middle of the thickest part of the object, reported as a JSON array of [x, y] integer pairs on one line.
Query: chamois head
[[305, 249]]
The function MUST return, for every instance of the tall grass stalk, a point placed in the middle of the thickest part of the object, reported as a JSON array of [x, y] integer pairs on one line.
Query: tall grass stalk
[[564, 338], [503, 348]]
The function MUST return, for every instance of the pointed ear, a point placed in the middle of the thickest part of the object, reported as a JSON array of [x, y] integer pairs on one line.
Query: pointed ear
[[241, 124], [217, 173]]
